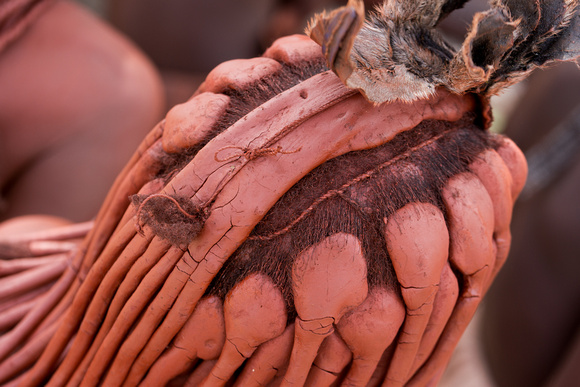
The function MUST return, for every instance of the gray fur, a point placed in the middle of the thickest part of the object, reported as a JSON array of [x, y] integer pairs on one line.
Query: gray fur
[[398, 54]]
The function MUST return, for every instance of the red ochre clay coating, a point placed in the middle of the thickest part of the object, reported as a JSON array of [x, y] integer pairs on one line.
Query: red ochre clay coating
[[30, 279], [277, 125], [471, 251], [17, 307], [130, 292], [268, 361], [35, 227], [496, 178], [202, 337], [442, 308], [253, 175], [199, 373], [186, 314], [515, 160], [333, 357], [254, 313], [238, 74], [135, 299], [293, 50], [128, 178], [26, 233], [132, 344], [334, 273], [368, 330], [231, 219], [138, 247], [418, 243], [187, 124], [137, 172], [123, 351]]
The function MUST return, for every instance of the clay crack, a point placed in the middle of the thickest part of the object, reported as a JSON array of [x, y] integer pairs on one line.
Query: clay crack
[[327, 371], [251, 153], [238, 350], [419, 287], [192, 258], [217, 243]]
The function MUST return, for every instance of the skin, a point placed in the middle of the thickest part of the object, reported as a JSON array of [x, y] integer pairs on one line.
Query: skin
[[66, 105]]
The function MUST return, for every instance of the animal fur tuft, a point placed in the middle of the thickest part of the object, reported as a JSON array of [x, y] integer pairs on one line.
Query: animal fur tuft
[[398, 54]]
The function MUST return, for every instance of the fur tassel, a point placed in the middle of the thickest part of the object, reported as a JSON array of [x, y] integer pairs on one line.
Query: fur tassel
[[398, 54]]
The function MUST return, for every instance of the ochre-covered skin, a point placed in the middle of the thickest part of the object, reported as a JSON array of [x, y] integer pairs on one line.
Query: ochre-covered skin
[[76, 99], [336, 241]]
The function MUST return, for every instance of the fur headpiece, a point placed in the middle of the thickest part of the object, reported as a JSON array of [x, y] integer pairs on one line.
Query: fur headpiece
[[398, 54]]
